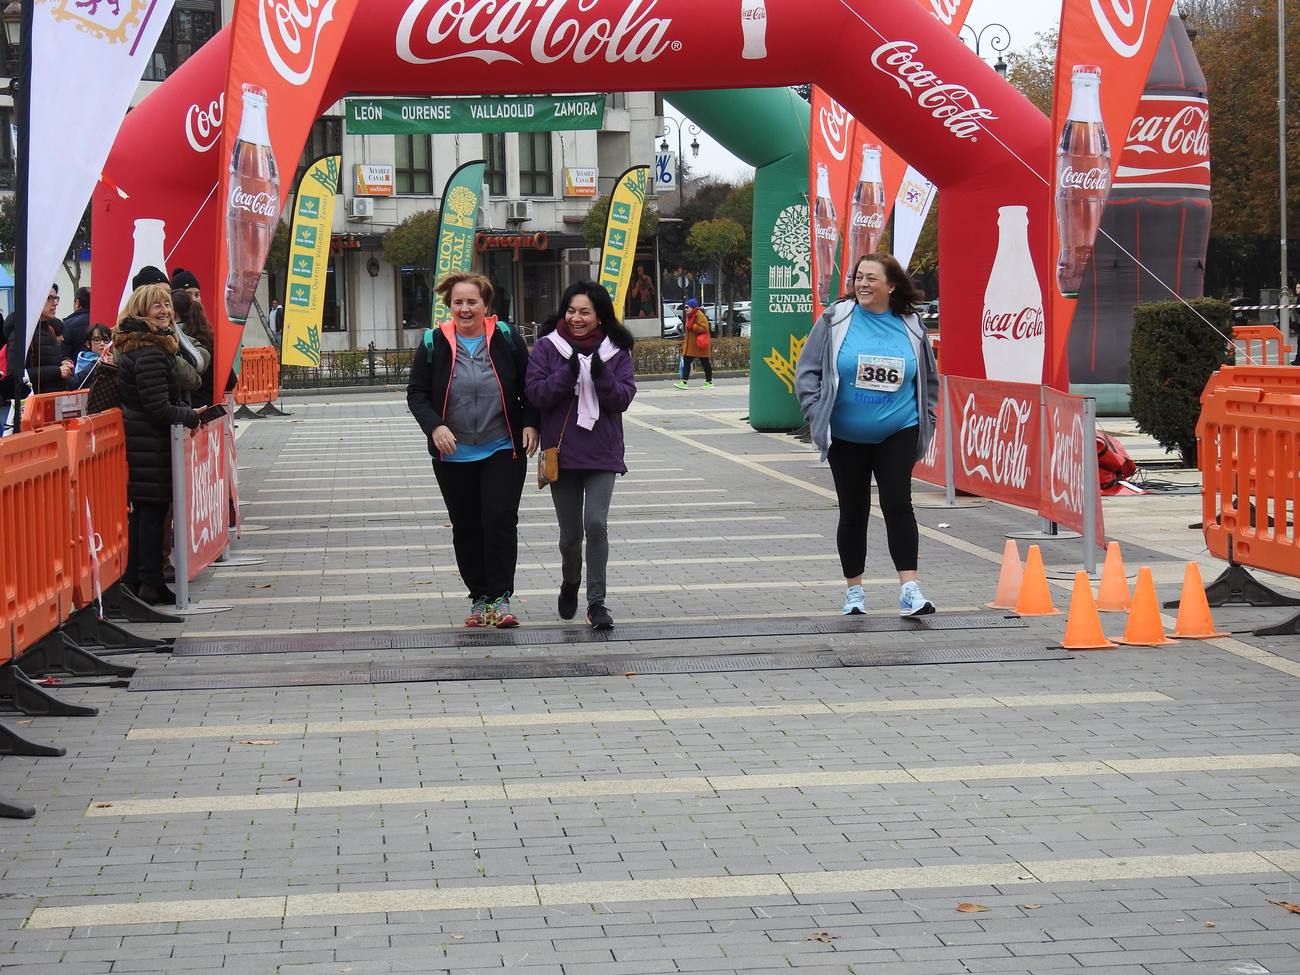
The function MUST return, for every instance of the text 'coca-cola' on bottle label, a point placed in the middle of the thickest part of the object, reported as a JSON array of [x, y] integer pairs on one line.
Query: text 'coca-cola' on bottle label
[[1168, 144], [544, 32]]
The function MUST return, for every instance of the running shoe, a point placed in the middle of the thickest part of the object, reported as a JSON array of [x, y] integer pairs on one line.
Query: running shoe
[[680, 384], [855, 601], [498, 614], [708, 385], [477, 613], [599, 618], [912, 602], [567, 604]]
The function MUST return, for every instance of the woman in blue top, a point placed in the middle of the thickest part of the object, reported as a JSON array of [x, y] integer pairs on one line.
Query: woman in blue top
[[868, 385]]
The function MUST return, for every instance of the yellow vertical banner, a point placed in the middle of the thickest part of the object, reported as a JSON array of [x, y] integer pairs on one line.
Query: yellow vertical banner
[[621, 228], [309, 255]]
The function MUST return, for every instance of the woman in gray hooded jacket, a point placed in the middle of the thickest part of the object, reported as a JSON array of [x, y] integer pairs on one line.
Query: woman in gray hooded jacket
[[868, 385]]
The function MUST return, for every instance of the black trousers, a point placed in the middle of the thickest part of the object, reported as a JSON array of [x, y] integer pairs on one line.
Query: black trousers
[[482, 499], [853, 465], [145, 526], [704, 361]]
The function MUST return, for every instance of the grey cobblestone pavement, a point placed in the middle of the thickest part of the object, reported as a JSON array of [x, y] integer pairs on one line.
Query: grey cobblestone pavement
[[1129, 811]]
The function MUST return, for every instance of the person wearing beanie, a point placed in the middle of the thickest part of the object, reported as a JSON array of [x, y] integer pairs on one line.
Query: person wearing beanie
[[695, 344], [183, 280], [148, 275]]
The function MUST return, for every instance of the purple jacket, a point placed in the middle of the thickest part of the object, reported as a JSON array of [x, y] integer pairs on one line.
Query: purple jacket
[[549, 388]]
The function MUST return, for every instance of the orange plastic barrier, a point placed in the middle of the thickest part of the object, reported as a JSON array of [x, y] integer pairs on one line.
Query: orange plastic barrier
[[36, 572], [259, 376], [97, 454], [1249, 446], [1274, 379], [46, 408], [1260, 345]]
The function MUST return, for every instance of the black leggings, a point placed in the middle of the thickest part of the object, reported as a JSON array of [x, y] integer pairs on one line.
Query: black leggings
[[852, 466], [704, 361], [482, 499]]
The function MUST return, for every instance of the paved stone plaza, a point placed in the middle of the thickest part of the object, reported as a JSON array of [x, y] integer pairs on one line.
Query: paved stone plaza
[[1129, 811]]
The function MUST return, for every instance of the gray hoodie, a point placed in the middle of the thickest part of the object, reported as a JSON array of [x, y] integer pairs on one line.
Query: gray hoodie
[[817, 380]]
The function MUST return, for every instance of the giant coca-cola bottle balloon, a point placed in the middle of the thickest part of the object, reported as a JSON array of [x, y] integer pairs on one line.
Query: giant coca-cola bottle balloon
[[1158, 211], [254, 205], [1082, 178], [826, 235]]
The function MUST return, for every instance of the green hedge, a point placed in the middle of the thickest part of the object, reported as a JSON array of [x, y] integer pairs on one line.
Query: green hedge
[[1172, 356], [660, 356]]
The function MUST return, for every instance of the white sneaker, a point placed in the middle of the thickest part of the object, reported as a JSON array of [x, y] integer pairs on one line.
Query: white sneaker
[[912, 602], [855, 601]]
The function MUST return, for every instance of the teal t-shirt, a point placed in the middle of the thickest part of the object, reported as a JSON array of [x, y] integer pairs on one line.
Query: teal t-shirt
[[466, 453], [877, 371]]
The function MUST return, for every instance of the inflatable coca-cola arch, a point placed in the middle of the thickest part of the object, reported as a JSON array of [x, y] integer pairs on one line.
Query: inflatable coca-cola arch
[[889, 62]]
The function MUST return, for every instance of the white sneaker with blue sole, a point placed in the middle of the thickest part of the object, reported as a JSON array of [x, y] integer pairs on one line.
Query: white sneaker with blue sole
[[912, 602], [855, 601]]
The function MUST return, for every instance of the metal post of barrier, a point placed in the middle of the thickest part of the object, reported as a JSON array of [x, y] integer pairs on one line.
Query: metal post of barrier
[[1091, 488], [181, 529]]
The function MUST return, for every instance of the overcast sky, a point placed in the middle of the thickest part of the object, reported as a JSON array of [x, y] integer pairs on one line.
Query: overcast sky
[[1023, 19]]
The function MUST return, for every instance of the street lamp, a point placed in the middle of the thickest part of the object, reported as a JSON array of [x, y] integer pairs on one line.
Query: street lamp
[[999, 41], [694, 130]]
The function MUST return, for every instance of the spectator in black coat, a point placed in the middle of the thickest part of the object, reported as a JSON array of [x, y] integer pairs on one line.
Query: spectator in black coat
[[144, 346], [47, 369], [76, 325]]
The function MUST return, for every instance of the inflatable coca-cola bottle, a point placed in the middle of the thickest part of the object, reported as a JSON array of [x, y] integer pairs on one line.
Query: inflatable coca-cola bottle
[[254, 205], [1158, 211], [867, 212], [826, 235], [1082, 178], [1012, 333]]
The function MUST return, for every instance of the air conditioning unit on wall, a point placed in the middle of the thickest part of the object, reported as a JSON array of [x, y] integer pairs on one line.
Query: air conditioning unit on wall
[[519, 210], [361, 208]]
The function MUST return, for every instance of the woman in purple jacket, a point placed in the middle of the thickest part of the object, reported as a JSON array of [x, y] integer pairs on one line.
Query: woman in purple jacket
[[580, 377]]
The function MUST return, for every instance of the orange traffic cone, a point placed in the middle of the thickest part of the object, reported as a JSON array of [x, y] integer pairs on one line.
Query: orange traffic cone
[[1083, 626], [1112, 594], [1035, 596], [1195, 622], [1144, 628], [1009, 578]]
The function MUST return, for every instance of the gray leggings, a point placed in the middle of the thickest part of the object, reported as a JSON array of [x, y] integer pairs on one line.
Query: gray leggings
[[581, 500]]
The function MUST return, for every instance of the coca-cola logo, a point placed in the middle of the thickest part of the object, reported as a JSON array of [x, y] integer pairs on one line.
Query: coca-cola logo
[[834, 122], [994, 445], [203, 125], [954, 105], [1123, 23], [1184, 131], [292, 34], [870, 221], [1066, 466], [1027, 323], [207, 488], [825, 232], [263, 203], [1096, 178], [945, 11], [931, 458], [480, 28]]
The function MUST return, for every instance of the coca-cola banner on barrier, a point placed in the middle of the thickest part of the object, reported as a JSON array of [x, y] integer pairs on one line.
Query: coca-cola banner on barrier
[[1071, 460], [208, 501], [931, 467], [281, 60], [997, 447], [1105, 52]]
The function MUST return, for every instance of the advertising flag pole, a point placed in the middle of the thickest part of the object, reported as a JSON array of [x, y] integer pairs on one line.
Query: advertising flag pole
[[21, 95], [1284, 295]]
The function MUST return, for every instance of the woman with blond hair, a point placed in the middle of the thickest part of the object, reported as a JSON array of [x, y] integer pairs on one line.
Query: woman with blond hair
[[467, 393], [144, 350]]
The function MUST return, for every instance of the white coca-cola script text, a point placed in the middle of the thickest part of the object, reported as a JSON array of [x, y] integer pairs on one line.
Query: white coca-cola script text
[[1065, 480], [834, 123], [263, 204], [203, 125], [207, 488], [1186, 132], [479, 28], [1123, 23], [993, 445], [946, 10], [1096, 178], [292, 33], [1027, 323], [954, 105], [872, 221]]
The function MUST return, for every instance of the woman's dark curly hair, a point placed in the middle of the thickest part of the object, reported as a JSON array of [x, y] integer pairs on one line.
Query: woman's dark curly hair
[[600, 300], [904, 298]]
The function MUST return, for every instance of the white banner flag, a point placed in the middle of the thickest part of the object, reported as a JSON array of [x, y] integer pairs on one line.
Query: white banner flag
[[912, 205], [86, 61]]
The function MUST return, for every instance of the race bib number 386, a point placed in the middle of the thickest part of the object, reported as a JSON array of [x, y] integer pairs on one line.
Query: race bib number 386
[[880, 373]]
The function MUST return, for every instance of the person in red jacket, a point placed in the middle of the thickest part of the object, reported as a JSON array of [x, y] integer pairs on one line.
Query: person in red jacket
[[696, 344]]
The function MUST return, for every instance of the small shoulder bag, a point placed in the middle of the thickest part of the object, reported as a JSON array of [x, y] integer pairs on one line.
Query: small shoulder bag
[[548, 458]]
